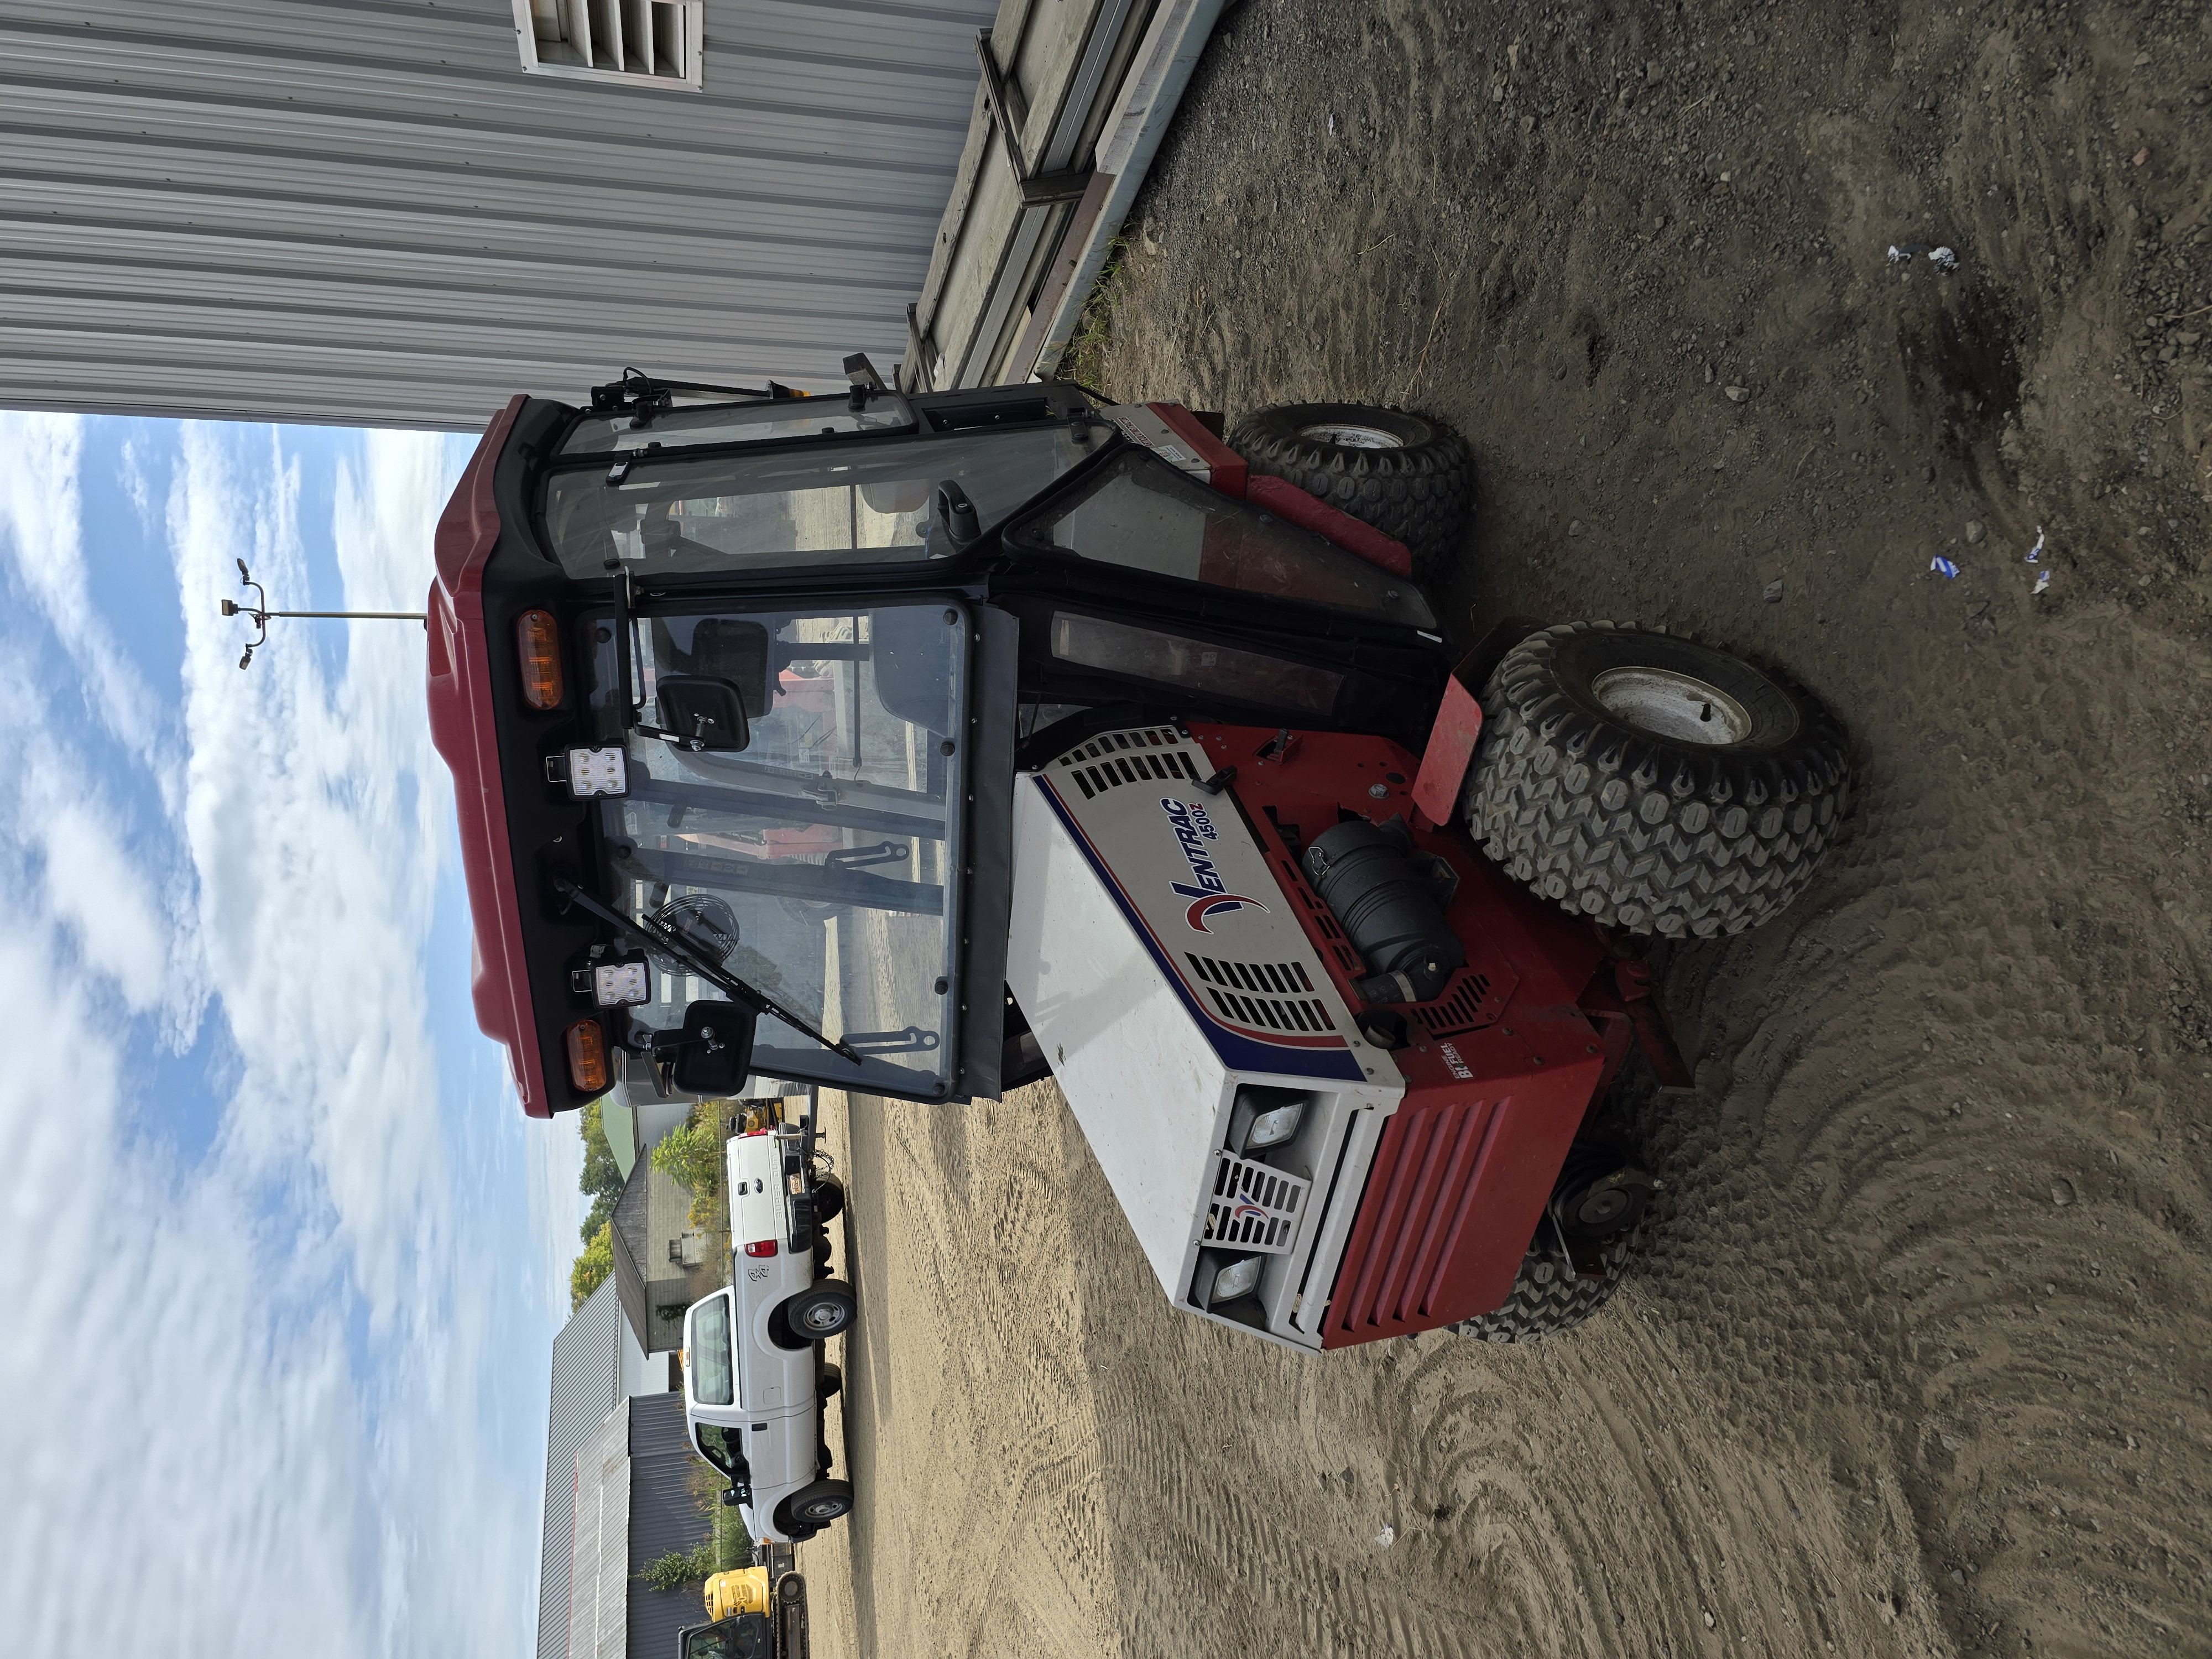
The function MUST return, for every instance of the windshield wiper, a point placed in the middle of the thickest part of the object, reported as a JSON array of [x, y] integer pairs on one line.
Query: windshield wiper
[[672, 944]]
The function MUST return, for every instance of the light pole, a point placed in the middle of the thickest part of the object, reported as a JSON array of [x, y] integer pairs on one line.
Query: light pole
[[261, 613]]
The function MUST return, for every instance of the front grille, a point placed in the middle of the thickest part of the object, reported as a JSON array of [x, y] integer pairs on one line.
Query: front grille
[[1253, 1207], [1273, 996], [1461, 1008], [1109, 761], [1427, 1153]]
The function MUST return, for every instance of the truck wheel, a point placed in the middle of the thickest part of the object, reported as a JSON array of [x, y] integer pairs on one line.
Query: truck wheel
[[1406, 475], [829, 1200], [1549, 1298], [1652, 783], [814, 1506], [820, 1311]]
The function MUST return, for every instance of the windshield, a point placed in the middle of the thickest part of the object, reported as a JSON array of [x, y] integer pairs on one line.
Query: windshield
[[724, 424], [713, 1381], [1141, 512], [665, 514], [828, 845]]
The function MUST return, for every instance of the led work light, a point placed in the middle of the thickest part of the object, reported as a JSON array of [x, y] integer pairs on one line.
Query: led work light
[[589, 772]]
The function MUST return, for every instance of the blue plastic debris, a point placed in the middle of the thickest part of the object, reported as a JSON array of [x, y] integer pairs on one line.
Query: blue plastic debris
[[2035, 553], [2042, 581], [1942, 565]]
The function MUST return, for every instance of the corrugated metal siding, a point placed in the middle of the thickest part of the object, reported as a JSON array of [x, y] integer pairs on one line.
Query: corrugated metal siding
[[664, 1516], [586, 1360], [599, 1605], [365, 211]]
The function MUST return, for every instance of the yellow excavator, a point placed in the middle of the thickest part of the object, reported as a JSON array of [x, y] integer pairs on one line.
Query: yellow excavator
[[750, 1617]]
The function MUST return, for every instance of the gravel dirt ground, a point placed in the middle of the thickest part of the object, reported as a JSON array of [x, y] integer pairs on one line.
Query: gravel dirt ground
[[1916, 1364]]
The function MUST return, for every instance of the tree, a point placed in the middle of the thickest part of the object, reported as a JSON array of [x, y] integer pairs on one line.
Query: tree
[[681, 1569], [690, 1155], [593, 1267]]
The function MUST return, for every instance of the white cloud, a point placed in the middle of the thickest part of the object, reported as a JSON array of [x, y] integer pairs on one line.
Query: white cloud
[[138, 489], [40, 529], [287, 1390]]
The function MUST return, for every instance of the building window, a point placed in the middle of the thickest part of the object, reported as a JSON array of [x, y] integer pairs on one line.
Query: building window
[[652, 43]]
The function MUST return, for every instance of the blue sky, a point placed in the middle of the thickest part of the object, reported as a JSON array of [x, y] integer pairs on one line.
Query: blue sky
[[282, 1258]]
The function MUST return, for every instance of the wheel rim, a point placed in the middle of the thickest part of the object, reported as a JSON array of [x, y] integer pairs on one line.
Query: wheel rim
[[827, 1317], [822, 1509], [1602, 1207], [1348, 435], [1668, 704]]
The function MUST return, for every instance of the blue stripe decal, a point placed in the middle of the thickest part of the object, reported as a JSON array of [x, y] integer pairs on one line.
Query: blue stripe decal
[[1239, 1052]]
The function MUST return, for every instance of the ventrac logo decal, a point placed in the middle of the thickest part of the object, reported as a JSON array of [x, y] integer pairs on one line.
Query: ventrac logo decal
[[1209, 896]]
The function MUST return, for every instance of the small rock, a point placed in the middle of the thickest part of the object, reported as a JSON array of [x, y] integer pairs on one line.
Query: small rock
[[1385, 1538], [2141, 59], [1958, 1578], [1975, 531], [1774, 592], [1949, 1442], [2141, 156], [1574, 526], [1709, 1619], [1928, 475], [2061, 1193], [1736, 394], [2187, 337], [1653, 75]]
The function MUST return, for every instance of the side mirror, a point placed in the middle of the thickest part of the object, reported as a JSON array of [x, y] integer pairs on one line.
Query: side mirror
[[712, 1054], [732, 1498], [697, 712]]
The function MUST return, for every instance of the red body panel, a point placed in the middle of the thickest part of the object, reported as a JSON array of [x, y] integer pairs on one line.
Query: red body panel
[[460, 697], [1502, 1068]]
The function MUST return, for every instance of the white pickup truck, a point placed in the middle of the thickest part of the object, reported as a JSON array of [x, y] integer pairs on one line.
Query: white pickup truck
[[755, 1382]]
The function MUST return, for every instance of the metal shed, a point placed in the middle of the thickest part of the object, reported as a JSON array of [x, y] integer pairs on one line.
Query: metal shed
[[401, 212]]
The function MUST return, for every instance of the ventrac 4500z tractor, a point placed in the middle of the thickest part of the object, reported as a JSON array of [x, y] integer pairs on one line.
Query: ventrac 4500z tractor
[[926, 745]]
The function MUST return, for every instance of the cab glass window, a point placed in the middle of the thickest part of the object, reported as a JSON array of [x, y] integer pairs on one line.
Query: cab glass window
[[1141, 512], [1168, 659], [722, 1447], [865, 503], [820, 858], [712, 1378]]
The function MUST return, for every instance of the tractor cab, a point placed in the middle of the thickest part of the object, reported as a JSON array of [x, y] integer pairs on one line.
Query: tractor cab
[[733, 687]]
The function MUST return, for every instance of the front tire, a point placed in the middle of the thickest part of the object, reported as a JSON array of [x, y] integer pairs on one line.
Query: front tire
[[1652, 783], [1408, 475], [820, 1311], [1549, 1298], [814, 1506]]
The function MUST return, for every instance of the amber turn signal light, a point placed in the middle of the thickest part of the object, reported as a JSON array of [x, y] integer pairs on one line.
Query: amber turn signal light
[[539, 642], [588, 1056]]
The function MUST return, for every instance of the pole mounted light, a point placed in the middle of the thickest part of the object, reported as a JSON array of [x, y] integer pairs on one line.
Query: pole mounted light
[[260, 613]]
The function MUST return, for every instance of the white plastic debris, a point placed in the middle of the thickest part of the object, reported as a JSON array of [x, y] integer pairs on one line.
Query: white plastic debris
[[2035, 553], [2042, 581], [1944, 567], [1897, 255], [1943, 259], [1385, 1538]]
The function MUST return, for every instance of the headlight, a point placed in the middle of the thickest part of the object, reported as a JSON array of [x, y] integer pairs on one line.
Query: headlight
[[1222, 1277], [1260, 1118], [589, 772]]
